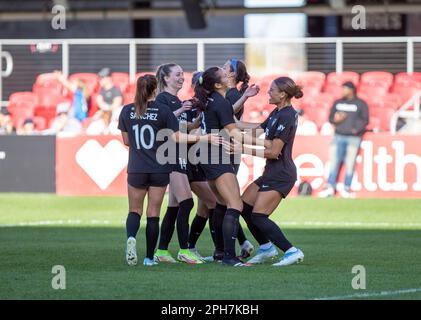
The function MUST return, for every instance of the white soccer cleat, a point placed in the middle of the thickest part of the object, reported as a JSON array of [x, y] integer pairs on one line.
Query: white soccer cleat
[[149, 262], [264, 255], [131, 254], [246, 249], [289, 258], [326, 193], [346, 194]]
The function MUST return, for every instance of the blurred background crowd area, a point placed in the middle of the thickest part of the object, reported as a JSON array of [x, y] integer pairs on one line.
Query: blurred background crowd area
[[90, 103]]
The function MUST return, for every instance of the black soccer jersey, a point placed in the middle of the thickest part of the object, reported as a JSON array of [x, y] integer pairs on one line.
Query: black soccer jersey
[[142, 136], [233, 95], [218, 113], [172, 102], [281, 124]]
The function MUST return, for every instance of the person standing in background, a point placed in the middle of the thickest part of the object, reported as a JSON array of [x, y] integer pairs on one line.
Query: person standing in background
[[110, 97], [349, 116]]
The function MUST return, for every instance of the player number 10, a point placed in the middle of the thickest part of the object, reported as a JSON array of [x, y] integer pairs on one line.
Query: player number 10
[[140, 136]]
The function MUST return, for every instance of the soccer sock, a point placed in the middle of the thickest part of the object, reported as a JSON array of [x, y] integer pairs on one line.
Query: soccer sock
[[218, 219], [211, 227], [152, 232], [230, 231], [257, 234], [241, 236], [132, 224], [197, 226], [167, 227], [271, 230], [183, 222]]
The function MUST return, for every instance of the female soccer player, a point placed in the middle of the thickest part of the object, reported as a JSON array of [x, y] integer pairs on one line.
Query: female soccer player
[[139, 124], [237, 73], [180, 202], [218, 115], [206, 199], [280, 173]]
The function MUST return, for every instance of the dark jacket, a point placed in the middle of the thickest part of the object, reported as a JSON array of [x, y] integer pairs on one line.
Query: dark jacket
[[356, 119]]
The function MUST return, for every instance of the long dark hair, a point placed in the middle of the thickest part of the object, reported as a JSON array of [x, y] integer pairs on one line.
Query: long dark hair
[[241, 75], [288, 86], [205, 86], [163, 71], [145, 88]]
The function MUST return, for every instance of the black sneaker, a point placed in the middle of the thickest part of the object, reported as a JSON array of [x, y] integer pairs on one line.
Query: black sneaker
[[234, 262], [218, 255]]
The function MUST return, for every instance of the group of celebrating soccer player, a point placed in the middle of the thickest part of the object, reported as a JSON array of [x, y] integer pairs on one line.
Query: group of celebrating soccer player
[[207, 164]]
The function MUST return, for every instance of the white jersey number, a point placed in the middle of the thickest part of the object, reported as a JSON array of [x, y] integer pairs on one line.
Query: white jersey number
[[140, 136]]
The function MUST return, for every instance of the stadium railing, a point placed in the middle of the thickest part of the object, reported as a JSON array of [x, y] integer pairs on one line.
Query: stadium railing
[[394, 54]]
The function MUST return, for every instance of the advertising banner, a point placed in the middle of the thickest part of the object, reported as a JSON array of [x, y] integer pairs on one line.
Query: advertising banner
[[387, 166], [27, 163]]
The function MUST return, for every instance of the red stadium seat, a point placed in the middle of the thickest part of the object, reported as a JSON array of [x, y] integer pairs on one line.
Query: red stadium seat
[[335, 91], [377, 78], [318, 115], [120, 80], [311, 91], [405, 92], [91, 80], [130, 94], [47, 80], [21, 104], [321, 101], [384, 115], [47, 99], [372, 91], [40, 123], [93, 106], [373, 124], [26, 96], [338, 79], [406, 79], [312, 79]]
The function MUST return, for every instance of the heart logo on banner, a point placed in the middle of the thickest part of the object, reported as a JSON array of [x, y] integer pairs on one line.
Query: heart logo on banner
[[102, 164]]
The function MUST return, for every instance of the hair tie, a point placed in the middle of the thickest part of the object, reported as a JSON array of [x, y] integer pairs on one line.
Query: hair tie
[[200, 80], [234, 63]]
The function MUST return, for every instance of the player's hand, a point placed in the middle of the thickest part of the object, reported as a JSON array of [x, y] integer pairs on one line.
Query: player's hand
[[214, 139], [187, 105], [251, 91], [339, 117], [232, 147]]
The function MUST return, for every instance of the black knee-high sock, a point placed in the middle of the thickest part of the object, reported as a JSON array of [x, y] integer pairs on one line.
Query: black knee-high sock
[[167, 227], [196, 229], [152, 232], [211, 227], [241, 236], [132, 224], [271, 230], [218, 219], [183, 222], [230, 231], [257, 234]]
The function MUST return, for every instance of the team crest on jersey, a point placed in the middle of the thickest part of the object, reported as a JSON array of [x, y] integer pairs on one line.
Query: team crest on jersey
[[280, 128]]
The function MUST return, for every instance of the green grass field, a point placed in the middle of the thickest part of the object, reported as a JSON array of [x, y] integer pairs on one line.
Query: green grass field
[[86, 235]]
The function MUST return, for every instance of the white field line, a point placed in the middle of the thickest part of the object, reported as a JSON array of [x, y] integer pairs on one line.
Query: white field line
[[349, 224], [372, 294], [339, 224]]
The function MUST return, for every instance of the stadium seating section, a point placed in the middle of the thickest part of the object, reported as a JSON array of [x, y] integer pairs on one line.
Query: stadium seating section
[[384, 93]]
